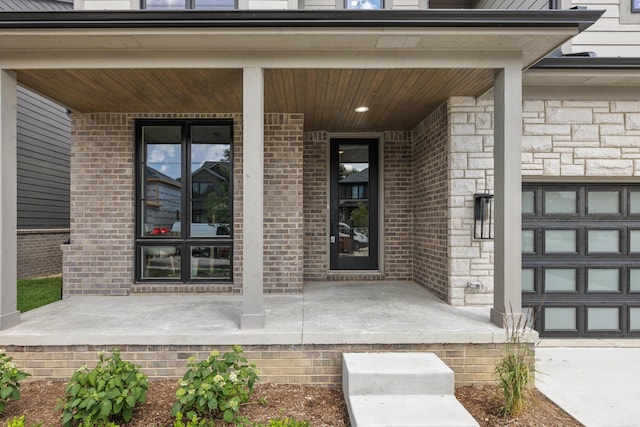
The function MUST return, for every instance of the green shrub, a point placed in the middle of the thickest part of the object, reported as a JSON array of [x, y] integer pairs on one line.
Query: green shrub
[[107, 393], [216, 387], [515, 377], [10, 377]]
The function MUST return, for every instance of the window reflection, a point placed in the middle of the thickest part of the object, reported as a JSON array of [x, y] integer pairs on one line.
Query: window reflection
[[212, 262], [210, 181], [160, 261], [353, 190], [364, 4], [162, 180]]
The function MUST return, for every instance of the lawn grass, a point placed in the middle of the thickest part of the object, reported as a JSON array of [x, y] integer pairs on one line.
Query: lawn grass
[[34, 293]]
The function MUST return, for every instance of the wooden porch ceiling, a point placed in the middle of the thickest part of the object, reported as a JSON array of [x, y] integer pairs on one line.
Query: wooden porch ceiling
[[398, 98]]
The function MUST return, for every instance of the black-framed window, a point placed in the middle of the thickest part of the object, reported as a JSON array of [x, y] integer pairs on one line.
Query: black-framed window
[[635, 6], [189, 4], [184, 217]]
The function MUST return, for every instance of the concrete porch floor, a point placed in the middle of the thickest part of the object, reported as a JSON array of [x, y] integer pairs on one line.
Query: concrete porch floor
[[326, 313]]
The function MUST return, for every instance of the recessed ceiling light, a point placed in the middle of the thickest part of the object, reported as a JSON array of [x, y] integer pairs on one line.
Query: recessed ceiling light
[[361, 109]]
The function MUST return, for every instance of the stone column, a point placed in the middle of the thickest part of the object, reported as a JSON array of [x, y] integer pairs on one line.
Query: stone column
[[507, 293], [9, 315], [253, 203]]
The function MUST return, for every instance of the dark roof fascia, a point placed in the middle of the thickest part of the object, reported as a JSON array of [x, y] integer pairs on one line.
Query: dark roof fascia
[[586, 63], [580, 19]]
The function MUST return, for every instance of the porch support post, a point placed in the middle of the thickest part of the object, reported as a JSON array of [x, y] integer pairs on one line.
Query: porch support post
[[507, 292], [253, 206], [9, 315]]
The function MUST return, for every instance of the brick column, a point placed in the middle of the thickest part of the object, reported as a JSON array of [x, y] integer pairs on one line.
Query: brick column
[[507, 294], [9, 315], [253, 199]]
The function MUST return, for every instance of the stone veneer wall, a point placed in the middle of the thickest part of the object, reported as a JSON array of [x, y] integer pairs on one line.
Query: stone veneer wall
[[563, 141], [430, 189], [289, 364], [39, 253], [569, 139], [398, 221], [470, 171], [99, 259]]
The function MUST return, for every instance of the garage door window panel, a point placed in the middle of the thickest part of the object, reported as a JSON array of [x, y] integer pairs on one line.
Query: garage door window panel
[[560, 318], [603, 318], [634, 280], [604, 241], [528, 280], [603, 280], [560, 241], [560, 280], [603, 202], [528, 202], [529, 241], [634, 319], [634, 202], [561, 202], [634, 241]]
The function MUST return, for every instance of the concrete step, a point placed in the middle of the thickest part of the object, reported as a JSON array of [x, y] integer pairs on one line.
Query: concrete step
[[409, 411], [395, 373], [401, 390]]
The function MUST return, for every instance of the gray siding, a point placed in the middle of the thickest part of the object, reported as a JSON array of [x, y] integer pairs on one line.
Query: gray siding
[[44, 133], [513, 4], [26, 5]]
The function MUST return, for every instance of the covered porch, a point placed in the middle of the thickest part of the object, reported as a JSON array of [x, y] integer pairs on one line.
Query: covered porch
[[114, 68]]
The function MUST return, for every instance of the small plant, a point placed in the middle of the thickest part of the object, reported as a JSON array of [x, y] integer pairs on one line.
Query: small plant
[[195, 422], [515, 376], [216, 387], [285, 422], [10, 377], [107, 393], [20, 422]]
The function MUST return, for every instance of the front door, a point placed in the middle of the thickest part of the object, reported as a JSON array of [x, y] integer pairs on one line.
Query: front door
[[354, 204]]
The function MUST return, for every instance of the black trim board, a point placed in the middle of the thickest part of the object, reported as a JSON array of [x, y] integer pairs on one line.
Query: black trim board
[[580, 19], [587, 63]]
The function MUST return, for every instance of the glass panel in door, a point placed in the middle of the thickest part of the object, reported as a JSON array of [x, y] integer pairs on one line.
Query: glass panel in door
[[353, 240]]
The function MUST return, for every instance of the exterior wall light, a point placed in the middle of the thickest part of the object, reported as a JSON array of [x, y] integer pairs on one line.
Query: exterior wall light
[[483, 216]]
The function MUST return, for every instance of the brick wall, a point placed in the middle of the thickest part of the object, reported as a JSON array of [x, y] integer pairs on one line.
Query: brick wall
[[289, 364], [315, 193], [283, 218], [398, 219], [99, 259], [430, 189], [398, 210], [39, 253]]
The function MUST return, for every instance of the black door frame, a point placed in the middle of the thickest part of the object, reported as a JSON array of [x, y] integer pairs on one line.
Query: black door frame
[[371, 261]]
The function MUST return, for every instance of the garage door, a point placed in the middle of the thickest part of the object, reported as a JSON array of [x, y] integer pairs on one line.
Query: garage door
[[581, 259]]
